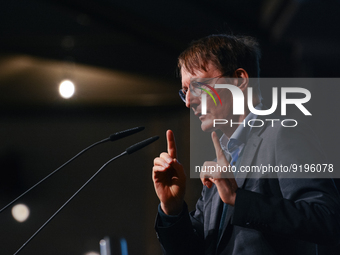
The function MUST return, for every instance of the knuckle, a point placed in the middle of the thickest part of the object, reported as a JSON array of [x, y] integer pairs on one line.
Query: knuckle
[[164, 155], [156, 160], [209, 163]]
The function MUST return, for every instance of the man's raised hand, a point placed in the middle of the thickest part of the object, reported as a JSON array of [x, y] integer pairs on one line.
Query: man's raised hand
[[169, 178], [224, 181]]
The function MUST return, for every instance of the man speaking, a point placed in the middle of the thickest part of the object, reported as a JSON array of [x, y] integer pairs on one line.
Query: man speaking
[[241, 213]]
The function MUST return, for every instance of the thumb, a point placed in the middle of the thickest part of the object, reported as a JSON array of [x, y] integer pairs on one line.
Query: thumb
[[170, 137], [218, 149]]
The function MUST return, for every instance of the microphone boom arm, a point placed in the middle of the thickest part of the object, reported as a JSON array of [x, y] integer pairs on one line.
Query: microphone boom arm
[[111, 138], [128, 151]]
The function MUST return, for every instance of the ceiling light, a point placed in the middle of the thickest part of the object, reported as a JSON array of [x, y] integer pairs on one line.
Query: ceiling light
[[20, 212], [66, 89]]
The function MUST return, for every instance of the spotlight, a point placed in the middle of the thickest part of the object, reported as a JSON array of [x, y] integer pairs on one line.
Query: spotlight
[[66, 89], [92, 253], [20, 212]]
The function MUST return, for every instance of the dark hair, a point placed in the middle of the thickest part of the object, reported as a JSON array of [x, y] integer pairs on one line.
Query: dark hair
[[226, 52]]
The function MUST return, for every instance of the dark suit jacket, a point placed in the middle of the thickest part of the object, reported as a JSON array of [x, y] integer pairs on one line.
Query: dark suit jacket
[[271, 215]]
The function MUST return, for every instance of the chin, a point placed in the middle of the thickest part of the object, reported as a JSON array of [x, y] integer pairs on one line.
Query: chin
[[207, 127]]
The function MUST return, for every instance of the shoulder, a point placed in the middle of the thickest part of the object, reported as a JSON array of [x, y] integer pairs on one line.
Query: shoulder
[[286, 131]]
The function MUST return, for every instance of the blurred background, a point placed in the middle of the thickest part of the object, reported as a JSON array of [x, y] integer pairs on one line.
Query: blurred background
[[121, 58]]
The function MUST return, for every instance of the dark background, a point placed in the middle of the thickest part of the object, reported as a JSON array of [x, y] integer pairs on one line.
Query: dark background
[[122, 55]]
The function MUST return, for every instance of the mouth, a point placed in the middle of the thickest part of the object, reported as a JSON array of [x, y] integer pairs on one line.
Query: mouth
[[201, 118], [199, 115]]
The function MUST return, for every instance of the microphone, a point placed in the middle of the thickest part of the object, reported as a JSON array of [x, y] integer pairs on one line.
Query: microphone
[[141, 144], [125, 133], [128, 151], [111, 138]]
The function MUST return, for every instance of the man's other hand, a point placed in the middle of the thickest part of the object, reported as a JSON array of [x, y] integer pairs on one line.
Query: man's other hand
[[224, 181]]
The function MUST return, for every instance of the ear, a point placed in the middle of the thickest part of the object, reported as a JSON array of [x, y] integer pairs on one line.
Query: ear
[[242, 78]]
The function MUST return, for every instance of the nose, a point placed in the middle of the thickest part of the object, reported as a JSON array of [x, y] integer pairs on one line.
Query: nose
[[191, 100], [187, 99]]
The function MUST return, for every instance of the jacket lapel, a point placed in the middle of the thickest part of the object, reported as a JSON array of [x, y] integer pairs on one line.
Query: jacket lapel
[[246, 159], [214, 217]]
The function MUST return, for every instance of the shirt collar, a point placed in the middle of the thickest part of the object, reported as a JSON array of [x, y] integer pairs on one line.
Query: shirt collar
[[240, 135]]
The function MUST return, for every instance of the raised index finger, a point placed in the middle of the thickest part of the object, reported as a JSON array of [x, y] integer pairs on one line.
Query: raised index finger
[[170, 137], [218, 149]]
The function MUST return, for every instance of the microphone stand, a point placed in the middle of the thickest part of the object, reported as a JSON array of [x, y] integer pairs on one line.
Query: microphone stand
[[129, 150], [69, 200], [49, 175], [111, 138]]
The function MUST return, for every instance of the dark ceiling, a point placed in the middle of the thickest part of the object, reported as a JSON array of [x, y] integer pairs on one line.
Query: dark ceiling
[[146, 36], [298, 38]]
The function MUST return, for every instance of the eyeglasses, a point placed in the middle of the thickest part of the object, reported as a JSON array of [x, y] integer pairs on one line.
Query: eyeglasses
[[196, 87]]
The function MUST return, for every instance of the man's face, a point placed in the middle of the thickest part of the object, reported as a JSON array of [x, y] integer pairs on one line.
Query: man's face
[[223, 111]]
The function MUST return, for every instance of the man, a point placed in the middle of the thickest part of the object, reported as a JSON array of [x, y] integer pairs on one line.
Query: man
[[243, 214]]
